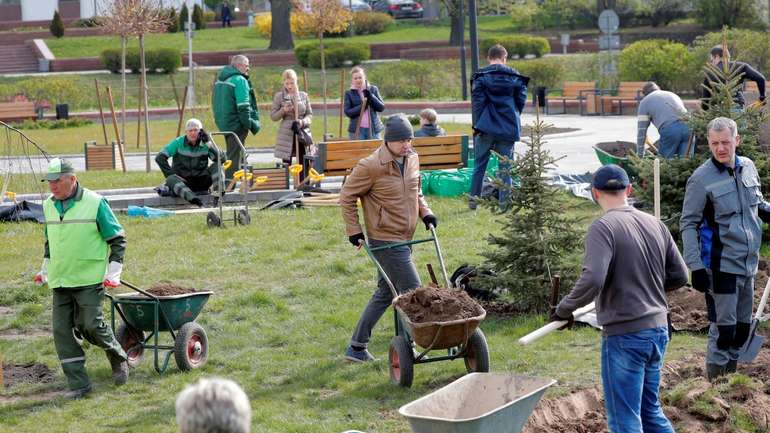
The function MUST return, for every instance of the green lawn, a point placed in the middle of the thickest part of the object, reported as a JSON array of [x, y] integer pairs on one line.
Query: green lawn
[[286, 302], [238, 38]]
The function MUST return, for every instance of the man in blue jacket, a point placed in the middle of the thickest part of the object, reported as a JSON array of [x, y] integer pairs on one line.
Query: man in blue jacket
[[498, 97]]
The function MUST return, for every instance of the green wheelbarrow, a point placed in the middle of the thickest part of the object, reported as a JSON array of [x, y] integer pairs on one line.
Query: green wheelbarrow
[[143, 312], [462, 339]]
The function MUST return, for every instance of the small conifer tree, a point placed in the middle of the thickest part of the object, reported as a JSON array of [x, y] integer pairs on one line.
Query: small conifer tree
[[57, 25], [197, 18], [173, 22], [183, 16]]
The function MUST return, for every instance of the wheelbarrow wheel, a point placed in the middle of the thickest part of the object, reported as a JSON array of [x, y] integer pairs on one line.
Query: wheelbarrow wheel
[[191, 347], [477, 353], [401, 362], [213, 220], [243, 217], [131, 339]]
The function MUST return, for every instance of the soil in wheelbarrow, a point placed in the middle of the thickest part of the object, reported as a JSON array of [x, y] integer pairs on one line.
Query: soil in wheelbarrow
[[691, 403], [32, 373], [437, 304], [618, 149], [169, 289]]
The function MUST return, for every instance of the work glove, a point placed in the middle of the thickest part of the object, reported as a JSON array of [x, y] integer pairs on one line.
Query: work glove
[[112, 278], [700, 280], [204, 136], [555, 317], [42, 276], [430, 220], [367, 94], [356, 239], [295, 126]]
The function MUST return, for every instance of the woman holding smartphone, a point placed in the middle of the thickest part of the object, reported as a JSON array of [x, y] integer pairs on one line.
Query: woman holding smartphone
[[292, 108], [362, 103]]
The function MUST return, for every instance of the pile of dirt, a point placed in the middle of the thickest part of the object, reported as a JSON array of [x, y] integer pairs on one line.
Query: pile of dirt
[[169, 289], [688, 310], [14, 374], [619, 149], [437, 304], [693, 405]]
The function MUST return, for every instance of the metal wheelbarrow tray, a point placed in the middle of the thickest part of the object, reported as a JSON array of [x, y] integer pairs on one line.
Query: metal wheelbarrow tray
[[477, 403], [440, 335]]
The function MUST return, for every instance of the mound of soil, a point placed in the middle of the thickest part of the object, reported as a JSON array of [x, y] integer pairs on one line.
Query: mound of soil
[[25, 373], [619, 149], [691, 403], [437, 304], [688, 310], [169, 289]]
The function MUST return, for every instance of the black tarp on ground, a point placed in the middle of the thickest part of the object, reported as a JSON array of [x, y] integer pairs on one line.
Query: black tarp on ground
[[23, 211]]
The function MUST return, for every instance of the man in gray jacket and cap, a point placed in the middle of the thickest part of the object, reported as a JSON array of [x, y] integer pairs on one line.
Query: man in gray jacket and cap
[[721, 228], [388, 184]]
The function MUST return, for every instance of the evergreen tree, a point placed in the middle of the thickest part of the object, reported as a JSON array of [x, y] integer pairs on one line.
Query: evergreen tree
[[537, 236], [197, 18], [173, 21], [57, 25], [183, 16]]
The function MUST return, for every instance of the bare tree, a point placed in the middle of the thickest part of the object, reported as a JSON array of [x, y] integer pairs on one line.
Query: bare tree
[[456, 24], [127, 18], [280, 29]]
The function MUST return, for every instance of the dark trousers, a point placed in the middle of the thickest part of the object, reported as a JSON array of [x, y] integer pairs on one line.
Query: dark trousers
[[234, 153]]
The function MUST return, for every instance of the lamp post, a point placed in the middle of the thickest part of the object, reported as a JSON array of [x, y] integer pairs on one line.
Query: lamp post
[[190, 76]]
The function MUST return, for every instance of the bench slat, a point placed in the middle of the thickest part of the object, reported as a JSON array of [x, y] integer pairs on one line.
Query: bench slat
[[440, 150]]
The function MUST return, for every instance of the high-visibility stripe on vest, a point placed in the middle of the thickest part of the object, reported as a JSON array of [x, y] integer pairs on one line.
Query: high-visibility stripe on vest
[[78, 252]]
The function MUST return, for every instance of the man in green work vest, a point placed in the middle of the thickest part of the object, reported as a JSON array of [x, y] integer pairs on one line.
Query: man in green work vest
[[84, 250]]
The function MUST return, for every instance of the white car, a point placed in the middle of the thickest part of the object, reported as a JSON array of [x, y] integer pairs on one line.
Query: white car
[[356, 5]]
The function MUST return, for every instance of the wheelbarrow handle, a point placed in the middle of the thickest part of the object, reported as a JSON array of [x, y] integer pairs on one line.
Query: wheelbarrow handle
[[379, 268], [133, 287], [440, 256]]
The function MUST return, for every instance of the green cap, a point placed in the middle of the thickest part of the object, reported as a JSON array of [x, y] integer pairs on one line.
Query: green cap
[[56, 168]]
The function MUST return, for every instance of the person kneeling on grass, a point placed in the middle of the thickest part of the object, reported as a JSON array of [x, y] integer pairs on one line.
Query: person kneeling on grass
[[190, 172], [428, 126]]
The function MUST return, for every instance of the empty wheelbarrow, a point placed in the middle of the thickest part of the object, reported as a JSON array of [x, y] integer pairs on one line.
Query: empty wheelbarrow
[[143, 312], [477, 403]]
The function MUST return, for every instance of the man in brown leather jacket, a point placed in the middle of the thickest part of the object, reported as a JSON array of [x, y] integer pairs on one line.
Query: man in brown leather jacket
[[388, 184]]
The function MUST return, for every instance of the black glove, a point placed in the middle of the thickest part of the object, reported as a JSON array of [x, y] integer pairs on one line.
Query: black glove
[[356, 239], [295, 126], [367, 94], [430, 220], [203, 136], [700, 280], [556, 318]]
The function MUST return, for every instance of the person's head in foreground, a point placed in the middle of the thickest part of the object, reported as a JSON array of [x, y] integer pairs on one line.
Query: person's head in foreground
[[723, 139], [213, 405], [611, 187], [399, 134]]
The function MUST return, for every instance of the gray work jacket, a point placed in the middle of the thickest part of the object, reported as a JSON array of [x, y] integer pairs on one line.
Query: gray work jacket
[[720, 224]]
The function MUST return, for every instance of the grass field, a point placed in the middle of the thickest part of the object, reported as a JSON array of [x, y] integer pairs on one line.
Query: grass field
[[289, 289]]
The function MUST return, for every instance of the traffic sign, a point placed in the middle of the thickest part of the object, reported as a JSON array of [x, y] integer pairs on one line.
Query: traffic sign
[[609, 21]]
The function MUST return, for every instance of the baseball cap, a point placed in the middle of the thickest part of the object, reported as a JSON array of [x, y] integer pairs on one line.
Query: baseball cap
[[56, 168], [610, 178]]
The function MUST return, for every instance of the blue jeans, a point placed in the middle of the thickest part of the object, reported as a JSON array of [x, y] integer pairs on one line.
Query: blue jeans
[[483, 144], [363, 134], [674, 139], [631, 377]]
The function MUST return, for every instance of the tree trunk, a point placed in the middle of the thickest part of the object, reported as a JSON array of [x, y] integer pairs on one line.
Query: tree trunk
[[280, 29], [143, 89], [323, 77], [123, 82], [456, 32]]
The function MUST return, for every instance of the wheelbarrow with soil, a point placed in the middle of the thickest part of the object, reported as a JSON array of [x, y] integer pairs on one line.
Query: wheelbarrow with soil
[[615, 152], [145, 315], [458, 335]]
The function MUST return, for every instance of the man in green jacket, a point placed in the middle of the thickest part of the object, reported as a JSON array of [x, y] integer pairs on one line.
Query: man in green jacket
[[191, 172], [84, 250], [235, 108]]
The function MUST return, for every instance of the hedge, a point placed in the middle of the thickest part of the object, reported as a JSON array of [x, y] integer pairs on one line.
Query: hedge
[[337, 54], [165, 60], [669, 64], [548, 72], [520, 46], [371, 23]]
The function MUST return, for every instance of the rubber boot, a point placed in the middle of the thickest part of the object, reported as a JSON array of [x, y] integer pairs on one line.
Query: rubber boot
[[714, 371], [731, 367], [119, 368]]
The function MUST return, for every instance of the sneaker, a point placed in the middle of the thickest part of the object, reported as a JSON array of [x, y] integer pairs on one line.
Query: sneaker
[[119, 369], [196, 201], [76, 394], [472, 204], [358, 355]]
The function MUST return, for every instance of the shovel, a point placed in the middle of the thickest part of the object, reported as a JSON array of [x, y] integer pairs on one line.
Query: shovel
[[750, 349]]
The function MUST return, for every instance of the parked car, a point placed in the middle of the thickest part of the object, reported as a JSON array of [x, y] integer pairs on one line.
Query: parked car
[[399, 8], [357, 5]]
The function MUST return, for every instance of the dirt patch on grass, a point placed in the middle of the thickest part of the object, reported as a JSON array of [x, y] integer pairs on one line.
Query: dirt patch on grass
[[33, 373], [4, 311], [20, 334], [437, 304], [165, 288], [688, 310], [691, 403], [619, 149]]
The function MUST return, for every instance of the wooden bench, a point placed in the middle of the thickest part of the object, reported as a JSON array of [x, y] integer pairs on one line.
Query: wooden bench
[[572, 91], [337, 158], [628, 93], [13, 111], [277, 178], [102, 156]]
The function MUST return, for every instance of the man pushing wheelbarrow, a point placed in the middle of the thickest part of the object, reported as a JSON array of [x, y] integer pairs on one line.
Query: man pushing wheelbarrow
[[388, 184]]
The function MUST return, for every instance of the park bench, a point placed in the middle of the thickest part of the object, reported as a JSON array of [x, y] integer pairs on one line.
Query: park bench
[[573, 91], [102, 156], [628, 93], [337, 158], [277, 178], [13, 111]]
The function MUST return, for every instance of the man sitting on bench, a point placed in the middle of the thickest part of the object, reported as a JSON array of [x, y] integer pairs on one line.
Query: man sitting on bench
[[191, 172]]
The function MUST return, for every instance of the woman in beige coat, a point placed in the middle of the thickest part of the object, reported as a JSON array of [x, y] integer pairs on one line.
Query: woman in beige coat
[[292, 108]]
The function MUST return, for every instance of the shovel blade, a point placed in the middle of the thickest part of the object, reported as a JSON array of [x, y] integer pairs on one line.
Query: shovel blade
[[750, 350]]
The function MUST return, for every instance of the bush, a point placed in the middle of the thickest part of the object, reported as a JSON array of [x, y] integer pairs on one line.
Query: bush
[[337, 54], [210, 16], [667, 63], [662, 11], [740, 13], [166, 60], [173, 21], [745, 45], [197, 17], [371, 23], [72, 122], [57, 26], [87, 22], [409, 79], [299, 25], [548, 72], [519, 46], [523, 16]]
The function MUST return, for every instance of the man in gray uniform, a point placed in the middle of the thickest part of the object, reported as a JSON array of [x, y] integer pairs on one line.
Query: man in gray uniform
[[665, 110], [630, 262], [721, 228]]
